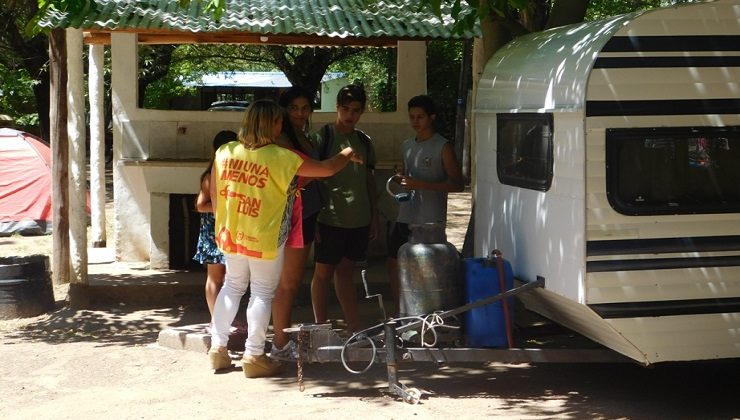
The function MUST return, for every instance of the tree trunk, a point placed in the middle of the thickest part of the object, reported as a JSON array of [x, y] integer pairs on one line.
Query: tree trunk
[[41, 92], [60, 155], [495, 35], [307, 68], [462, 100], [567, 12]]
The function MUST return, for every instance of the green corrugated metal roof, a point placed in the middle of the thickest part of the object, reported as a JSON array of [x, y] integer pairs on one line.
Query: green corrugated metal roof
[[329, 18]]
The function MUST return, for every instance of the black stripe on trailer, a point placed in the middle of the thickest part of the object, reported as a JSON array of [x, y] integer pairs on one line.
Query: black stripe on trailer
[[663, 107], [666, 308], [661, 264], [664, 62], [672, 43], [663, 245]]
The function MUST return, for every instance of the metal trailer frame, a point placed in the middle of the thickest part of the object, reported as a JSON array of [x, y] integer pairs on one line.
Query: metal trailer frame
[[320, 343]]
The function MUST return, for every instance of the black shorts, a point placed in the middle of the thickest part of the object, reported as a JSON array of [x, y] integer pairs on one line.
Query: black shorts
[[309, 228], [399, 235], [337, 243]]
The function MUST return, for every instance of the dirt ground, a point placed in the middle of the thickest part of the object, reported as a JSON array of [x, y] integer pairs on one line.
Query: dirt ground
[[106, 362]]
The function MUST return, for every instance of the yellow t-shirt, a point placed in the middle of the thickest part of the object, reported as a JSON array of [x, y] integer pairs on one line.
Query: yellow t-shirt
[[251, 196]]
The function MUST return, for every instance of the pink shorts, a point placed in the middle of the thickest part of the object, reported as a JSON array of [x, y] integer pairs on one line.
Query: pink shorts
[[295, 237]]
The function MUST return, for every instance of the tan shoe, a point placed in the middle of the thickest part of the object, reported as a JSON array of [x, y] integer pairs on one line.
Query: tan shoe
[[260, 366], [219, 358]]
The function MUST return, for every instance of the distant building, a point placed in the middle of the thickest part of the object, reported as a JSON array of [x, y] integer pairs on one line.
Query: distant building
[[252, 85]]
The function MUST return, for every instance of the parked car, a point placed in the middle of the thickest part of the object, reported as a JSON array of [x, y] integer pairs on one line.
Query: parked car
[[228, 106]]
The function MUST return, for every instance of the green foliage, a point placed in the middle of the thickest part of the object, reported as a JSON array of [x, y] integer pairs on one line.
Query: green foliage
[[604, 8], [193, 61], [375, 70], [214, 7], [76, 8], [160, 93], [17, 99], [466, 17], [443, 74]]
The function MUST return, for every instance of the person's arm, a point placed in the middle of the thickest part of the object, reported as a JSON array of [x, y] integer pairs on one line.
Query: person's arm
[[453, 183], [322, 168], [212, 191], [203, 203]]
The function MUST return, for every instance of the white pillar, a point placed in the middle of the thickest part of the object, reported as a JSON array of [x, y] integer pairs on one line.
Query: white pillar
[[129, 209], [97, 144], [77, 165], [411, 68]]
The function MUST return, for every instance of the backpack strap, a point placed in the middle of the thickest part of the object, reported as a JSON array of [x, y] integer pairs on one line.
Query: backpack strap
[[328, 137], [327, 133], [365, 139]]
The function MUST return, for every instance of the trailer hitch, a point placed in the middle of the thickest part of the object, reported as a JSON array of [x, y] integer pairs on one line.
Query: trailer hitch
[[323, 344]]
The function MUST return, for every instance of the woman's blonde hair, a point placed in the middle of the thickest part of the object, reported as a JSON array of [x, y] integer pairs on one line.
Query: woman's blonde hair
[[259, 119]]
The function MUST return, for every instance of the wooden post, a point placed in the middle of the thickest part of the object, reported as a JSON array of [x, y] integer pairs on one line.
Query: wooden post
[[59, 155]]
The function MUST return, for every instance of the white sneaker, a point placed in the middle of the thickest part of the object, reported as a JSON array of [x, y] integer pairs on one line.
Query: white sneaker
[[289, 352]]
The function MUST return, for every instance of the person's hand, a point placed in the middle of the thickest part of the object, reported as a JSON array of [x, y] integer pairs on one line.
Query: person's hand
[[407, 183], [354, 157]]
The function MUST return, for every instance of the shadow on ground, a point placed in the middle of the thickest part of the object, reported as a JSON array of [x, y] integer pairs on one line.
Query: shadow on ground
[[112, 320], [555, 390], [704, 390], [129, 326]]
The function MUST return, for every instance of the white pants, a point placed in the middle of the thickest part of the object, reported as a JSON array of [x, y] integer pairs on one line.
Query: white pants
[[264, 276]]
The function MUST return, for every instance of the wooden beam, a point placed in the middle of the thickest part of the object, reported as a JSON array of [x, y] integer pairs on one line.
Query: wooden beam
[[96, 38], [234, 37], [261, 39]]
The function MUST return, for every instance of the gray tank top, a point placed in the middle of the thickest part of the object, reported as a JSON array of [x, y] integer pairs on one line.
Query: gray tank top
[[423, 161]]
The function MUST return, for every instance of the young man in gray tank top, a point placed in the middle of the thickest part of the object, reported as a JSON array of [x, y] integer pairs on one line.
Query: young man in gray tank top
[[430, 170]]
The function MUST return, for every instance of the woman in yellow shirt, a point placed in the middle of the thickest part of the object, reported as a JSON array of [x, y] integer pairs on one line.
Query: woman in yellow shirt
[[253, 179]]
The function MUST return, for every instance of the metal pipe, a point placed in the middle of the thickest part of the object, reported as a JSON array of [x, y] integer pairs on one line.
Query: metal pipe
[[540, 282], [390, 356], [502, 287]]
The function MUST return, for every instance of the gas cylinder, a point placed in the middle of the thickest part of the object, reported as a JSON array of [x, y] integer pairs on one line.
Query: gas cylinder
[[429, 272]]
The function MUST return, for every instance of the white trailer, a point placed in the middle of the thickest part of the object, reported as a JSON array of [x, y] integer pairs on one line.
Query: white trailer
[[608, 162]]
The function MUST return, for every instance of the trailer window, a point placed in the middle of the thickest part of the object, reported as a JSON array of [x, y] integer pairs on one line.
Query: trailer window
[[673, 170], [524, 150]]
